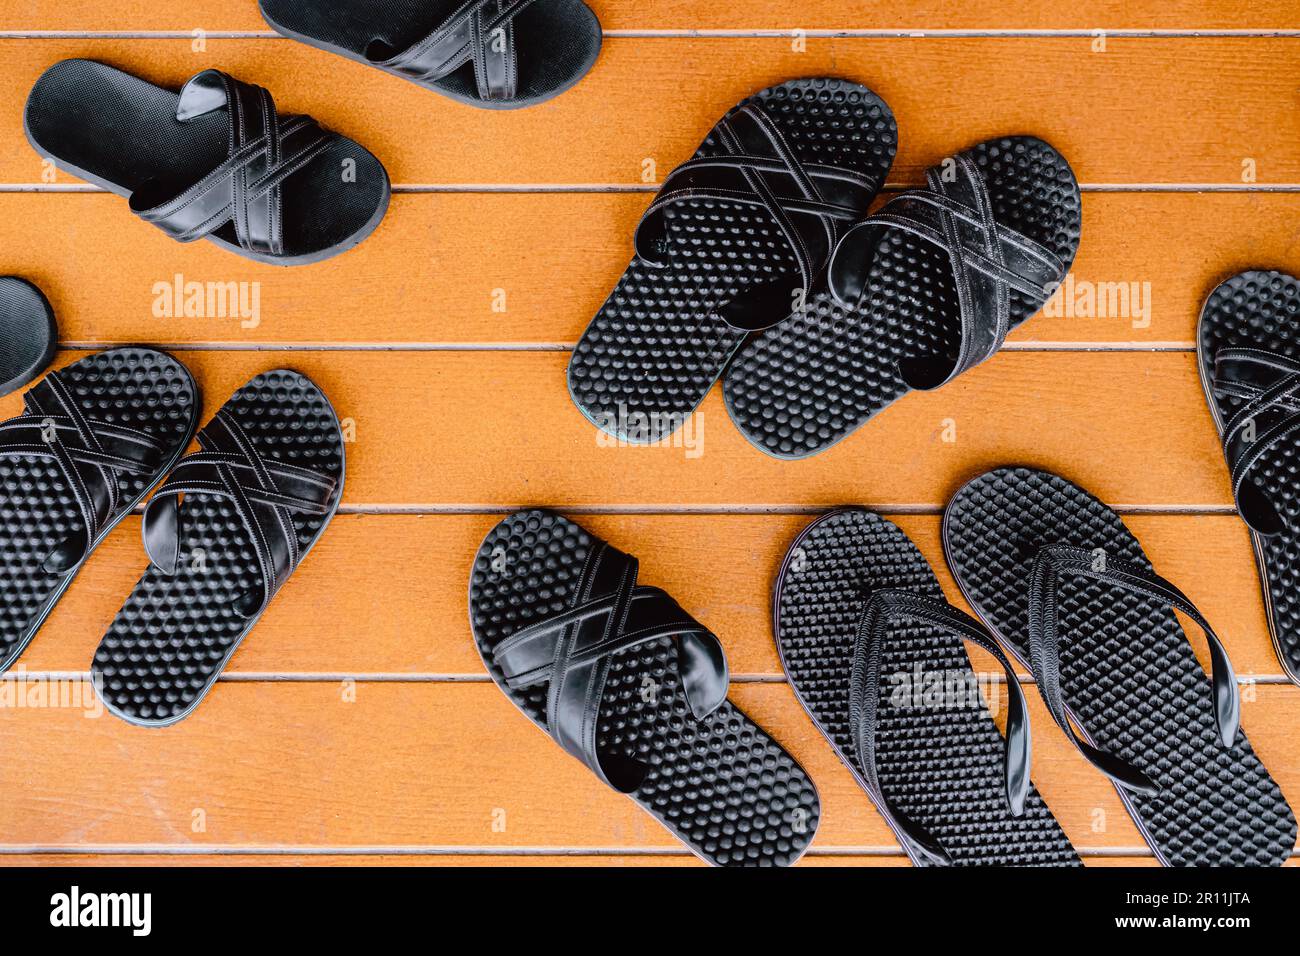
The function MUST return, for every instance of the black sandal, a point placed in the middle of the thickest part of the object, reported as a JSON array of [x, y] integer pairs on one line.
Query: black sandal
[[28, 336]]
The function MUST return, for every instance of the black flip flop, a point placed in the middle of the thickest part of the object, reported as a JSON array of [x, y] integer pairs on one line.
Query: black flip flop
[[93, 439], [874, 653], [28, 336], [496, 54], [635, 688], [921, 291], [257, 498], [738, 237], [1067, 588], [213, 162], [1248, 351]]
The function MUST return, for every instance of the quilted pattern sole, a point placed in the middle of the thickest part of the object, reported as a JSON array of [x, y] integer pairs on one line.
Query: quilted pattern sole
[[940, 755], [1129, 675], [133, 387], [174, 635], [720, 785], [808, 383], [1262, 310], [654, 350]]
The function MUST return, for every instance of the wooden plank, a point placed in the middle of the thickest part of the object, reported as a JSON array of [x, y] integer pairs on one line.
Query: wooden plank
[[214, 15], [498, 428], [720, 567], [571, 250], [1145, 111], [436, 765]]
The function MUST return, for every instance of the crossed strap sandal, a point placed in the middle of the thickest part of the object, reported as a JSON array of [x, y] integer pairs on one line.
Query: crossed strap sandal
[[1058, 578], [93, 439], [628, 683], [224, 533], [1248, 349], [737, 240], [215, 161], [495, 54], [921, 291], [875, 656]]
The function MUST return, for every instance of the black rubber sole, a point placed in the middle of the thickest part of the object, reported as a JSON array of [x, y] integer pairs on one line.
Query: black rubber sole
[[28, 334], [940, 762], [1129, 676], [1261, 309], [808, 383], [175, 633], [135, 387], [655, 348], [719, 784]]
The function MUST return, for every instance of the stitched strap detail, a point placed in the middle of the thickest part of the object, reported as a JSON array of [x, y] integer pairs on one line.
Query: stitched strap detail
[[264, 492], [572, 653], [1269, 387], [264, 149], [1050, 564], [478, 31], [988, 260], [879, 612]]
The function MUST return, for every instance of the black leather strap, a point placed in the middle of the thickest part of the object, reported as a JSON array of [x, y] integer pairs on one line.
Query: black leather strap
[[1053, 561], [263, 492], [811, 205], [478, 31], [879, 612], [988, 260], [1269, 386], [264, 149], [572, 652], [90, 454]]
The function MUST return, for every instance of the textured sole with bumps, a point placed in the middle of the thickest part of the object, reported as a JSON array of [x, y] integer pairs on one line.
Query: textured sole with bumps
[[1129, 675], [655, 349], [806, 384], [175, 633], [720, 785]]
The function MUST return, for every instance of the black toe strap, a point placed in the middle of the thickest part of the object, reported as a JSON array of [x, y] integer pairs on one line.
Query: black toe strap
[[811, 204], [90, 454], [1268, 386], [1050, 564], [988, 260], [573, 652], [264, 149], [882, 609], [264, 492], [478, 31]]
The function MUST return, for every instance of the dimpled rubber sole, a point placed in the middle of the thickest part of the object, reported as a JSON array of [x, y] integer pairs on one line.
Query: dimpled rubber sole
[[720, 785], [939, 763], [172, 637], [133, 387], [1262, 310], [28, 336], [654, 350], [1128, 673], [801, 386]]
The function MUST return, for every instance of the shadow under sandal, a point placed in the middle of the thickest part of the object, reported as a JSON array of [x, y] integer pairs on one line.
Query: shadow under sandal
[[1063, 583], [213, 162], [1248, 349], [28, 335], [93, 438], [631, 685], [868, 641], [497, 54], [223, 534], [923, 290], [735, 239]]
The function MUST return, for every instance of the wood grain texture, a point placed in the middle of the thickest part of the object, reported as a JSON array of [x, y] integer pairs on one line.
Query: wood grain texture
[[1185, 110], [386, 594], [426, 765], [442, 267]]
